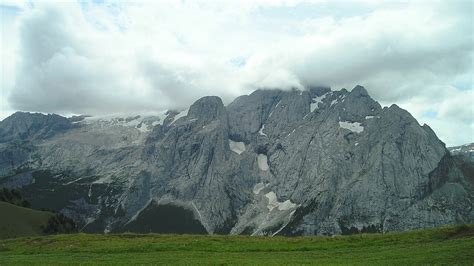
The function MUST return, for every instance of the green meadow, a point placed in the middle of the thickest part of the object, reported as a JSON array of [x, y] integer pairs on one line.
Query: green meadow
[[447, 245]]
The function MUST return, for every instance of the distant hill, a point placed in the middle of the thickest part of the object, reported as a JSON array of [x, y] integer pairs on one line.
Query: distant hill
[[19, 221]]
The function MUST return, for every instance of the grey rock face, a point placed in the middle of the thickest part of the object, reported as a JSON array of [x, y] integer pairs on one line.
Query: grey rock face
[[23, 126], [273, 162]]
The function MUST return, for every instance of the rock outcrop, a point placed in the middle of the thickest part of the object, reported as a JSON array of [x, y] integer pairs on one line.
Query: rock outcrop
[[273, 162]]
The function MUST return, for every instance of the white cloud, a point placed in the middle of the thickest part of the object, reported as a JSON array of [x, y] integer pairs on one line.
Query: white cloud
[[448, 111], [139, 56], [14, 3]]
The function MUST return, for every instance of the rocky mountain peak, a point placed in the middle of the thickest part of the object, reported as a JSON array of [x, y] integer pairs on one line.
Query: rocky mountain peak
[[24, 125], [359, 91], [272, 162], [207, 108], [318, 91], [396, 111]]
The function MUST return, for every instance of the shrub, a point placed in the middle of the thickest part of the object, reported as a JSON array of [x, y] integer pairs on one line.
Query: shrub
[[59, 224], [13, 196]]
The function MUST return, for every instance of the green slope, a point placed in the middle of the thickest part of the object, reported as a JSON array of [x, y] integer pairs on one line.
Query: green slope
[[16, 221], [450, 245]]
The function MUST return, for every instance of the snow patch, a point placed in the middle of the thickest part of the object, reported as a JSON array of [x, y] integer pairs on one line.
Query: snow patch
[[272, 200], [262, 161], [198, 212], [88, 221], [286, 205], [369, 117], [333, 102], [74, 181], [237, 147], [103, 180], [260, 131], [178, 116], [316, 101], [258, 187], [281, 228], [135, 216], [107, 229], [352, 126], [291, 132], [142, 122], [281, 206], [271, 113]]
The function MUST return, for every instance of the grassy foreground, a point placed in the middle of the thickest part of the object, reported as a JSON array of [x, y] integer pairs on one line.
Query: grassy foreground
[[449, 245]]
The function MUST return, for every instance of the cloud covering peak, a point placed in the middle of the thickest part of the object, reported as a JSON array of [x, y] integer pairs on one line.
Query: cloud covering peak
[[98, 57]]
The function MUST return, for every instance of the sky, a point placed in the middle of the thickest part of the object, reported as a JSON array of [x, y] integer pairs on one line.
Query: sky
[[101, 57]]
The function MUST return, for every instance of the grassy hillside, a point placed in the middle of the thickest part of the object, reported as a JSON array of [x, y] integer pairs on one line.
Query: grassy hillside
[[16, 221], [451, 245]]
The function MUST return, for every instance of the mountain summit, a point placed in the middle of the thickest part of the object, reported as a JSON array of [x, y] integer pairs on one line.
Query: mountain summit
[[273, 162]]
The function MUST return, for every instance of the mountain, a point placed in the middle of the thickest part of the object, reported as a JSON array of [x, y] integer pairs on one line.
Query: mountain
[[26, 126], [466, 150], [310, 162]]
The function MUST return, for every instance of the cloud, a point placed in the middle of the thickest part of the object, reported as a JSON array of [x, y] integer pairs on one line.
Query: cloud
[[85, 57]]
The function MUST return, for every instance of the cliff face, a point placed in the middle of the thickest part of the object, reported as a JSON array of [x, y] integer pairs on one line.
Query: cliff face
[[273, 162]]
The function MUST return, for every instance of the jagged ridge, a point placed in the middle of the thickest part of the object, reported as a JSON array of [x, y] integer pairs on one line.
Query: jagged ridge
[[272, 162]]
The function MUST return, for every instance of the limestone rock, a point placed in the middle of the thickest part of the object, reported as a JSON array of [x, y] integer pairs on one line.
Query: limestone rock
[[273, 162]]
